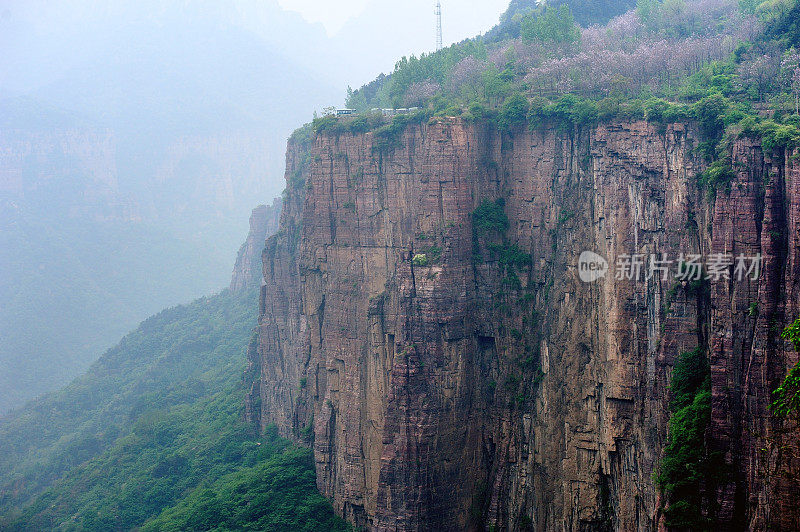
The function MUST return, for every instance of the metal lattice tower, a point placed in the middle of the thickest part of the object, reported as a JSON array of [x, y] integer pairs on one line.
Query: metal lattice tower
[[438, 26]]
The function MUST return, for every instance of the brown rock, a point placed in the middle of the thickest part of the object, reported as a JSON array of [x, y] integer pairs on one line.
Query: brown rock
[[477, 386]]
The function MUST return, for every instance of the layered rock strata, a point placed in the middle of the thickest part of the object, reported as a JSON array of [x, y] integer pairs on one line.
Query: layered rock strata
[[452, 371]]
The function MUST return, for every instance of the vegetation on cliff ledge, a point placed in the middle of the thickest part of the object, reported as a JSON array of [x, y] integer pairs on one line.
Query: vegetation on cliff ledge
[[787, 395], [731, 65], [491, 215], [688, 467]]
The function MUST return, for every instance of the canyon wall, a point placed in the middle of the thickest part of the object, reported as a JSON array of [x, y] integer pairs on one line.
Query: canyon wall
[[264, 222], [424, 328]]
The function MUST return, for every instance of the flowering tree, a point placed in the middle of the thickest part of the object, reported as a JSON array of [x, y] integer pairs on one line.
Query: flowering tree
[[466, 79], [790, 74], [796, 89], [760, 74], [420, 92]]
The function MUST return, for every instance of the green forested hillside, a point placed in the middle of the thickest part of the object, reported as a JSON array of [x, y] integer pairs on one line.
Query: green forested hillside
[[732, 65], [586, 12], [158, 419]]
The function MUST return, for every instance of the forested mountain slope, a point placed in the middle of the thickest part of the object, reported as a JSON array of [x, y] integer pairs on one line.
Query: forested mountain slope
[[156, 420]]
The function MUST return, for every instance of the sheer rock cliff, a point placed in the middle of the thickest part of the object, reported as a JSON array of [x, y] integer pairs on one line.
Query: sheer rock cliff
[[451, 371], [263, 223]]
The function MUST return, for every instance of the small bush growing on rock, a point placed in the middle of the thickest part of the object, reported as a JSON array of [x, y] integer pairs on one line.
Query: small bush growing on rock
[[787, 396], [491, 215]]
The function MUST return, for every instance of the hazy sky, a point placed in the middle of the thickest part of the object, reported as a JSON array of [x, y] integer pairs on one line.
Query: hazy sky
[[461, 18], [40, 40], [332, 15]]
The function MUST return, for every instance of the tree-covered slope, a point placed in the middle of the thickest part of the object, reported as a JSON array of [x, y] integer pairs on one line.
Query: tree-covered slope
[[157, 419], [732, 66], [586, 12], [674, 50]]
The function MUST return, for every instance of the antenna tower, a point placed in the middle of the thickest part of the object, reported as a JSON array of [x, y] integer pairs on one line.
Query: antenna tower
[[438, 26]]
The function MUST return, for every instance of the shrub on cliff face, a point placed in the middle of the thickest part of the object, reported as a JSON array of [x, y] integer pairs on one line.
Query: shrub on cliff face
[[787, 396], [687, 467], [792, 333], [718, 174], [420, 259], [787, 402], [491, 215]]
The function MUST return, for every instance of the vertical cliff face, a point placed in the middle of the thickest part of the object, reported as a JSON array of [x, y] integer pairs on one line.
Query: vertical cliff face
[[761, 214], [424, 327], [263, 223]]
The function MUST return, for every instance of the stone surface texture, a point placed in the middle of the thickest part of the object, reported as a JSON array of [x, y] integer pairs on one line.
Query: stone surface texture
[[453, 376]]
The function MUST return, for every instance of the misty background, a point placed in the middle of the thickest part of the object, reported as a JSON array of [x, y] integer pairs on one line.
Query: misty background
[[135, 138]]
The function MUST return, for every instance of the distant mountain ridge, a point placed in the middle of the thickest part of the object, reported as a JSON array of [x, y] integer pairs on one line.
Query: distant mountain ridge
[[134, 140]]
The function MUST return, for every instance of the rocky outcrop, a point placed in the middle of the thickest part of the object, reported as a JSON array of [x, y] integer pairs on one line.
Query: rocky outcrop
[[424, 327], [263, 223]]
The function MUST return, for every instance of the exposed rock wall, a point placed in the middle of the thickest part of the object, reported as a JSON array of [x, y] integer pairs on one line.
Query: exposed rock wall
[[761, 214], [454, 374], [263, 223]]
